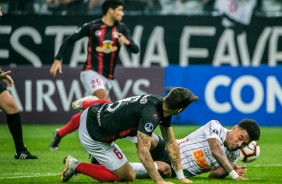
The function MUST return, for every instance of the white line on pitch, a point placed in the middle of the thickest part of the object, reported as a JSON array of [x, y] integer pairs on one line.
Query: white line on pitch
[[26, 175], [35, 175]]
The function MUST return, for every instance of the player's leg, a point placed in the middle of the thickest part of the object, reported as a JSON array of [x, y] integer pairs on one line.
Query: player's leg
[[9, 106], [114, 163], [58, 134], [93, 83]]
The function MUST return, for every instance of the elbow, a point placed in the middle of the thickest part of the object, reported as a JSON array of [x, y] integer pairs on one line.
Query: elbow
[[136, 51]]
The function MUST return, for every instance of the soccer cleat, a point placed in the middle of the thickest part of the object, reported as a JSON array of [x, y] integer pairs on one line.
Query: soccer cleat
[[25, 154], [56, 140], [78, 104], [71, 163]]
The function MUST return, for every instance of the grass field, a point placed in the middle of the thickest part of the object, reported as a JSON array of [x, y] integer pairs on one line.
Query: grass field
[[266, 169]]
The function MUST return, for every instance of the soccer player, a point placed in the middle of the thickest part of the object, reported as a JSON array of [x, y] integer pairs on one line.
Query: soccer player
[[212, 148], [9, 106], [102, 124], [105, 37]]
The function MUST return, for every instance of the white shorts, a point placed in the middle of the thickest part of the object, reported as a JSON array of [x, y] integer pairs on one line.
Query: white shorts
[[107, 154], [93, 81]]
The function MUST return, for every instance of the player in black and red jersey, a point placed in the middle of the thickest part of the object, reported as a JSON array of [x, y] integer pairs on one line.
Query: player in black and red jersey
[[105, 37], [103, 123], [9, 106]]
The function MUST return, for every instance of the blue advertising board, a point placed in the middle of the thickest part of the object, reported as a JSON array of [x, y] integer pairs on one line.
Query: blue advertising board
[[229, 94]]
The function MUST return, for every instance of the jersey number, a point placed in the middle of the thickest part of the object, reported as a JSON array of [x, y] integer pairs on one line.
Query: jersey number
[[201, 160], [96, 82], [118, 154]]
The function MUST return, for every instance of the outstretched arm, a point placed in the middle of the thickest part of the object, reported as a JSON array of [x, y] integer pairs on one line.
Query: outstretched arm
[[221, 173], [143, 150], [174, 153], [222, 159], [79, 33]]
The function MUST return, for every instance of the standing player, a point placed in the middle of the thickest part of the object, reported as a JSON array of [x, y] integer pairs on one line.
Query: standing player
[[106, 35], [210, 148], [10, 108], [102, 124]]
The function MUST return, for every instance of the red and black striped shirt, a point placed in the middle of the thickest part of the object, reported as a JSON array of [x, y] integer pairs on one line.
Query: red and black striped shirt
[[103, 47]]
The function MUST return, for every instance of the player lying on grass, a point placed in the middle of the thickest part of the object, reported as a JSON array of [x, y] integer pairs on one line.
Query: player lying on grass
[[212, 148], [102, 124]]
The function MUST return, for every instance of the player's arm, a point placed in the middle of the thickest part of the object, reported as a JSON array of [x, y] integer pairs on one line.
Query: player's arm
[[222, 159], [125, 39], [173, 152], [79, 33], [143, 151], [221, 173]]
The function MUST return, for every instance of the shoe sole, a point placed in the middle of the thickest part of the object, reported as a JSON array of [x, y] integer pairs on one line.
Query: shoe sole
[[63, 179]]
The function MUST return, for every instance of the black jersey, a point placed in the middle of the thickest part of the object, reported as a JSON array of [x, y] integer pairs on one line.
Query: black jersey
[[103, 46], [108, 122]]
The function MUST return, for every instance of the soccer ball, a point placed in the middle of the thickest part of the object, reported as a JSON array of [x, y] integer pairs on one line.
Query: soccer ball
[[250, 153]]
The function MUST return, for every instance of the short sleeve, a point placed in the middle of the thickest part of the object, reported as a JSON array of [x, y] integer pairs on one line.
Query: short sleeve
[[213, 129], [149, 120]]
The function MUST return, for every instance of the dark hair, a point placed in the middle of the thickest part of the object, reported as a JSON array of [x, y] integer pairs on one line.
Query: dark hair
[[179, 98], [111, 4], [251, 127]]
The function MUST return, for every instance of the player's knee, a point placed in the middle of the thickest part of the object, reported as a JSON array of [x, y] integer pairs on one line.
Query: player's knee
[[164, 169], [11, 107], [129, 177]]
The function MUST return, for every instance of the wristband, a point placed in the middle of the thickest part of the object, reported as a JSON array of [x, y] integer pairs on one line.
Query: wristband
[[156, 165], [180, 174], [233, 174]]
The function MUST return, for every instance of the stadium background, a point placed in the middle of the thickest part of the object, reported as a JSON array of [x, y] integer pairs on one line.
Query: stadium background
[[235, 75], [236, 72]]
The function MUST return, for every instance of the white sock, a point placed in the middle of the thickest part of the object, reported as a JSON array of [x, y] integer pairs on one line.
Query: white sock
[[140, 170]]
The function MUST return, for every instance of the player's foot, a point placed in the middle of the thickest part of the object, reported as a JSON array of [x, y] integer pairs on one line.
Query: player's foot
[[25, 154], [77, 105], [71, 163], [56, 140]]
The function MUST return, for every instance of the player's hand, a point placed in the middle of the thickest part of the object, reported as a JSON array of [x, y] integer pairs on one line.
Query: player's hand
[[164, 182], [185, 180], [122, 40], [241, 170], [241, 178], [57, 65], [5, 77]]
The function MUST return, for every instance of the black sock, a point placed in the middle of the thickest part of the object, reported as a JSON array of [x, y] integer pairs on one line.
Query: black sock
[[15, 127]]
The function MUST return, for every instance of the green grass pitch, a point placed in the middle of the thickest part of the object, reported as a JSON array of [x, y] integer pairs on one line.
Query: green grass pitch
[[266, 169]]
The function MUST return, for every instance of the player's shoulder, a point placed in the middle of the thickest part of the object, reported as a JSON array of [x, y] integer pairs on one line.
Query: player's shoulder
[[214, 122], [94, 23], [121, 26]]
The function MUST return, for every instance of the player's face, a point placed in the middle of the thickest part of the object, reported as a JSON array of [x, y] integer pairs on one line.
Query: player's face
[[236, 139], [118, 13]]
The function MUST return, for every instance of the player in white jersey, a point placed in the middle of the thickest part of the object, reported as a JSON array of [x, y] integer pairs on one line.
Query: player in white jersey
[[210, 148]]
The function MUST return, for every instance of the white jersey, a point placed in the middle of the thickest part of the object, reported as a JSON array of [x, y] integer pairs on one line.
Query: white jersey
[[196, 156]]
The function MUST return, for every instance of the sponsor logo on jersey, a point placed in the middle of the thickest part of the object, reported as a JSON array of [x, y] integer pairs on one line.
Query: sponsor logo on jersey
[[107, 47], [215, 131], [155, 116], [149, 127], [144, 99], [98, 33]]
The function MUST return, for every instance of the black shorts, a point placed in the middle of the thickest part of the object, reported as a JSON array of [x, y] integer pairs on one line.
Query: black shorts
[[160, 154], [2, 87]]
